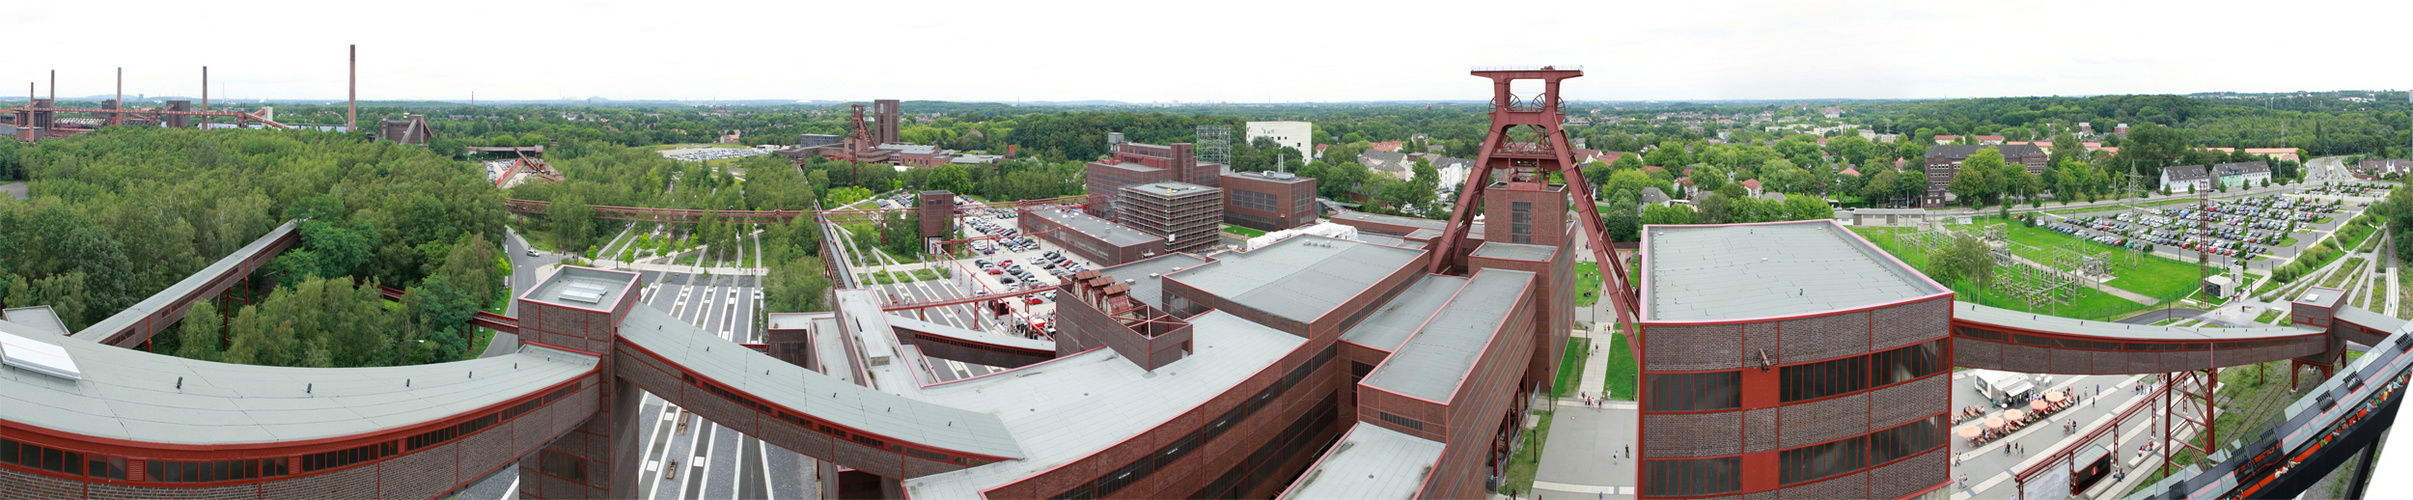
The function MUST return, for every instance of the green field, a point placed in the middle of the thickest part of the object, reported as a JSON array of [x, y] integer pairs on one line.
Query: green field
[[2088, 304], [1621, 370], [1252, 233], [1587, 285], [1528, 458], [2154, 275], [1571, 367]]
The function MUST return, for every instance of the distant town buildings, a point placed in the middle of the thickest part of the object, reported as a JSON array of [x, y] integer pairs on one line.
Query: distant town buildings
[[1944, 161], [2186, 178]]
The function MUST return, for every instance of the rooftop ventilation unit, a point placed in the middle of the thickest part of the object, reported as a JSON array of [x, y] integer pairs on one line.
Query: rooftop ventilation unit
[[38, 357], [583, 292]]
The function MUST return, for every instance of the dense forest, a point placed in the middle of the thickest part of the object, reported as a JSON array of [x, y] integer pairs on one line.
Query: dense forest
[[122, 213]]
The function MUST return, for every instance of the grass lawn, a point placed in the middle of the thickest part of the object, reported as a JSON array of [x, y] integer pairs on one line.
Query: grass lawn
[[1621, 370], [2352, 268], [2089, 304], [1252, 233], [2268, 316], [1571, 367], [478, 346], [2154, 275], [1529, 458], [1587, 286]]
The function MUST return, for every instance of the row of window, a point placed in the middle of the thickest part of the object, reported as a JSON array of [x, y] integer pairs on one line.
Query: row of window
[[1261, 464], [1695, 391], [560, 465], [1692, 477], [809, 424], [168, 471], [339, 458], [1859, 373], [1402, 421], [1821, 461], [1142, 467], [34, 456]]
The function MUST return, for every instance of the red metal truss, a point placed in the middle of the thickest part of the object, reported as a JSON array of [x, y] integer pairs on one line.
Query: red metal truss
[[1546, 151], [2187, 404]]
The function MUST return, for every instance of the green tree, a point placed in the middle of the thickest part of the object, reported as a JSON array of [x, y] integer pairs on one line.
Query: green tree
[[1967, 259], [197, 337]]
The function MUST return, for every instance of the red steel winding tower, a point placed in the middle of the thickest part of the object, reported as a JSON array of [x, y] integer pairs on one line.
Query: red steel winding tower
[[1524, 147]]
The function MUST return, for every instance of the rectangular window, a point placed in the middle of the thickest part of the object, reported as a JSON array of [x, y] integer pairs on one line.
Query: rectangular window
[[1696, 391], [1821, 461], [1520, 206], [564, 466], [1692, 477], [1823, 379], [1521, 217]]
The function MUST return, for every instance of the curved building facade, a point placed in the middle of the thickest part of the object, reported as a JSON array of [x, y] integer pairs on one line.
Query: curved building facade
[[1789, 360]]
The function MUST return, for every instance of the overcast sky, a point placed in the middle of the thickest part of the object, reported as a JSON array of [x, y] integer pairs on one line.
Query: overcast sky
[[1191, 51]]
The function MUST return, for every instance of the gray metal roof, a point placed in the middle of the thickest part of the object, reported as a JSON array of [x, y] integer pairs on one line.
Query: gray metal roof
[[793, 321], [1391, 323], [1762, 270], [199, 279], [823, 397], [1150, 289], [1075, 407], [569, 285], [1378, 239], [133, 395], [1169, 188], [1514, 251], [1371, 462], [2039, 322], [1299, 278], [1433, 362], [974, 336], [1434, 224], [38, 317], [1110, 232]]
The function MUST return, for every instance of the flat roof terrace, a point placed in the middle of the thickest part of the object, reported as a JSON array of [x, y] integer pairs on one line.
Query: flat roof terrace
[[1371, 462], [1394, 321], [1146, 277], [583, 288], [1095, 227], [1300, 278], [1437, 358], [1068, 409], [135, 395], [1744, 271]]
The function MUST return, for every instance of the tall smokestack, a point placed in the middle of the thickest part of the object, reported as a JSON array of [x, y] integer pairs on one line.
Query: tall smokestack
[[205, 91], [54, 88], [121, 95], [352, 115]]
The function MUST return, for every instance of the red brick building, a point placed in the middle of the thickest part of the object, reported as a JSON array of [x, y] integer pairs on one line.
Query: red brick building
[[1944, 161], [1094, 239], [1268, 201], [1135, 164], [1831, 381]]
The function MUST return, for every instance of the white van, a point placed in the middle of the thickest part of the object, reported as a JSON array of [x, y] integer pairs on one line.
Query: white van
[[2003, 387]]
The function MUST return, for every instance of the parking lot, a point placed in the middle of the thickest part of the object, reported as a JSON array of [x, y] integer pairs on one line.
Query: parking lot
[[2235, 230]]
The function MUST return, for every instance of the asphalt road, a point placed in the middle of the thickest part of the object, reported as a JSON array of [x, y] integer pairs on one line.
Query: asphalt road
[[523, 267]]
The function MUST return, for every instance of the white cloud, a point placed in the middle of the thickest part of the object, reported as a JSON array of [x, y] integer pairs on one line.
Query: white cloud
[[1238, 51]]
